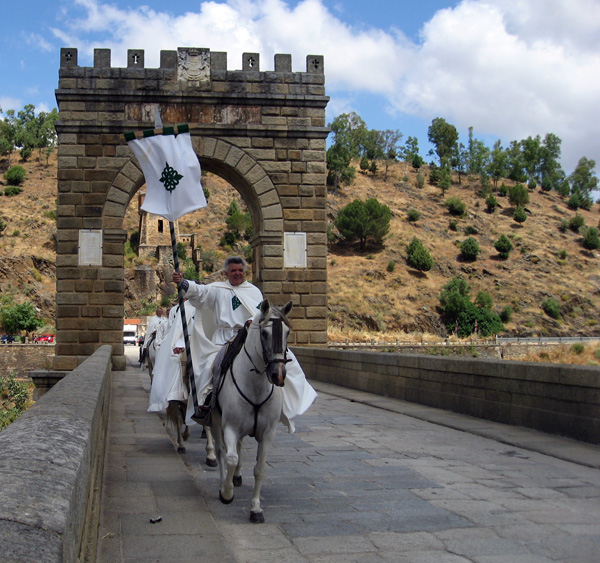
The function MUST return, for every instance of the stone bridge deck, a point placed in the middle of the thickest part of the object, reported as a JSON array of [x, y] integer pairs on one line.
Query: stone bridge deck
[[364, 478]]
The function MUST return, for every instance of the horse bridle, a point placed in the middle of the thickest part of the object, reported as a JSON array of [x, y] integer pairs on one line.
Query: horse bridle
[[277, 332]]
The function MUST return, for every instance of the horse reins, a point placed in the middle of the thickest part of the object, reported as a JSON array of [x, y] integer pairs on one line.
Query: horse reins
[[277, 332]]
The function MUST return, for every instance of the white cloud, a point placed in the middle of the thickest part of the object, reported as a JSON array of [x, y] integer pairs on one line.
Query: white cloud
[[7, 103], [510, 68]]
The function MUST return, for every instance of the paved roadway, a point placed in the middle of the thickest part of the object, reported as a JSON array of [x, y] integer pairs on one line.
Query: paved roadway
[[364, 478]]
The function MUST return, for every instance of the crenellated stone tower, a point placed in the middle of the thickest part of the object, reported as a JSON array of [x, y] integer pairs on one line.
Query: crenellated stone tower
[[263, 131]]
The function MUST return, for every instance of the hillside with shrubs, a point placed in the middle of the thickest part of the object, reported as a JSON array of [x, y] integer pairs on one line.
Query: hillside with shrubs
[[416, 250]]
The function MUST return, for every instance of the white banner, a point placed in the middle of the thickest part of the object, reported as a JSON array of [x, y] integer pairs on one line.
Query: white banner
[[172, 172]]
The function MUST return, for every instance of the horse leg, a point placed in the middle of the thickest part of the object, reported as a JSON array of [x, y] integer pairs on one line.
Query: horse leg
[[264, 445], [211, 458], [231, 460], [237, 474], [174, 415]]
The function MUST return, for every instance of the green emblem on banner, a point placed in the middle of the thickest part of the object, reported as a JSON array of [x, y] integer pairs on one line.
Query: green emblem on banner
[[170, 177], [235, 302]]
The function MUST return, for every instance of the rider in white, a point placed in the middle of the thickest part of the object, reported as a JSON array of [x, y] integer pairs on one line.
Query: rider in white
[[229, 305], [153, 325]]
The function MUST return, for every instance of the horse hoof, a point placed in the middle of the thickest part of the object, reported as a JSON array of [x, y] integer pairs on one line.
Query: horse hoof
[[180, 450], [224, 500], [211, 462], [257, 517], [237, 480]]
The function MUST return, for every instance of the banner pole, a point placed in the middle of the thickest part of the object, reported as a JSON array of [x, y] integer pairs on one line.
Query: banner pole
[[189, 367]]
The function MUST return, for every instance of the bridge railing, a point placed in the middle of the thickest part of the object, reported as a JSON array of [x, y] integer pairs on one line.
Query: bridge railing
[[51, 461], [554, 398]]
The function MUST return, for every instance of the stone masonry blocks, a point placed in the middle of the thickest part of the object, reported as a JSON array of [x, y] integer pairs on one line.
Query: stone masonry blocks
[[269, 133]]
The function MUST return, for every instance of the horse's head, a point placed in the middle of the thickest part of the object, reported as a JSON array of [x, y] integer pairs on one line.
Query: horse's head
[[274, 331]]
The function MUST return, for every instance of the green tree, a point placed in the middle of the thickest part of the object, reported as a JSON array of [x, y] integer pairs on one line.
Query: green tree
[[498, 164], [339, 171], [469, 249], [531, 157], [503, 245], [550, 171], [390, 148], [520, 216], [363, 220], [16, 318], [576, 222], [583, 180], [417, 256], [515, 163], [364, 163], [443, 136], [518, 195], [591, 241], [478, 154]]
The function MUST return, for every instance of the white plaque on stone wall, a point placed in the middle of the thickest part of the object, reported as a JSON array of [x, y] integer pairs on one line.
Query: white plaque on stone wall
[[294, 250], [90, 247]]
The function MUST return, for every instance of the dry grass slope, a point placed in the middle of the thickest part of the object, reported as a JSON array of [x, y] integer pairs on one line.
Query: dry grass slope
[[367, 297]]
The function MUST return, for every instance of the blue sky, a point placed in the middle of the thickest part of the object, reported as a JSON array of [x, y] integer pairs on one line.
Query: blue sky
[[509, 68]]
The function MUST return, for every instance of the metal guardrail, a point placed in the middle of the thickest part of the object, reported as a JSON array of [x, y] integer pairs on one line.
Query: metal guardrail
[[545, 340]]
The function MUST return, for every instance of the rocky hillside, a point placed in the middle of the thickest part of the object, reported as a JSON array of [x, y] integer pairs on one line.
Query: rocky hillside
[[371, 292]]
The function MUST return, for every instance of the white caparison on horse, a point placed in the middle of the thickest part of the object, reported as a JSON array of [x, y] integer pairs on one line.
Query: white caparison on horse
[[247, 398]]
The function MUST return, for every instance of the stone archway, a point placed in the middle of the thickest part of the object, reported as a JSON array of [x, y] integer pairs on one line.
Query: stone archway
[[264, 132]]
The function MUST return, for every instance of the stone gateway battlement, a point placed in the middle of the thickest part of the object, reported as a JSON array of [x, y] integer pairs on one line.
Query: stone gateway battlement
[[262, 131]]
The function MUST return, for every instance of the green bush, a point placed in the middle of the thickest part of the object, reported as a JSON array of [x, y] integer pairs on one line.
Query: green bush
[[413, 215], [576, 222], [469, 249], [519, 215], [503, 246], [491, 203], [551, 307], [417, 256], [506, 314], [12, 190], [453, 225], [390, 267], [420, 181], [578, 348], [15, 175], [14, 396], [471, 230], [591, 241], [503, 190], [455, 206], [562, 254], [564, 225], [484, 300]]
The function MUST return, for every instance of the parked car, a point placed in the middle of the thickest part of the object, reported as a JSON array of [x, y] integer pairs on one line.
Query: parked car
[[46, 338], [7, 339]]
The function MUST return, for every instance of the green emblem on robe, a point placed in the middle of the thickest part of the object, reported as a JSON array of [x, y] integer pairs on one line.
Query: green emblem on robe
[[235, 302]]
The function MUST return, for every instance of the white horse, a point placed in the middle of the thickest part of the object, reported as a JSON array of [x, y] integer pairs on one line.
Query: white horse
[[248, 400], [151, 358]]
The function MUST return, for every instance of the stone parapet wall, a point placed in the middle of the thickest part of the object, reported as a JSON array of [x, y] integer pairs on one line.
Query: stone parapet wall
[[23, 358], [554, 398], [51, 461]]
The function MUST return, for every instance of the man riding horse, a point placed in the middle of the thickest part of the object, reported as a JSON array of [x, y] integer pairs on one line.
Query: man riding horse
[[229, 305]]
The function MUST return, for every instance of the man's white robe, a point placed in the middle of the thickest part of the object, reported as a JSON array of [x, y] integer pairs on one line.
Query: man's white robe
[[153, 325], [227, 308], [167, 383]]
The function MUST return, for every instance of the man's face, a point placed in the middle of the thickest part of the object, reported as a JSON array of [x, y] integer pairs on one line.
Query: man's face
[[159, 312], [235, 274]]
